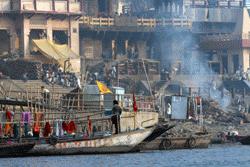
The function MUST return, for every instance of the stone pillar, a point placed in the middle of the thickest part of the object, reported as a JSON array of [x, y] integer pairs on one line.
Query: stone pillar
[[181, 7], [245, 59], [73, 33], [13, 37], [113, 49], [126, 47], [97, 46], [49, 30], [230, 64], [25, 37], [142, 53]]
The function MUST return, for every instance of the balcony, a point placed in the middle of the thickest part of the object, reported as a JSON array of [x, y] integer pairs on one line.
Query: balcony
[[225, 41], [44, 5], [41, 6], [27, 5], [74, 7], [61, 6], [136, 22]]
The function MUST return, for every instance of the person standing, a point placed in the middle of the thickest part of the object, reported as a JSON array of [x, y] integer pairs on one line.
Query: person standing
[[45, 94], [169, 110], [116, 113]]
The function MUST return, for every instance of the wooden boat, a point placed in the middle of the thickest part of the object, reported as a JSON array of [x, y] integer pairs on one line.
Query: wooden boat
[[15, 149], [135, 127], [120, 143], [179, 142], [158, 131], [245, 140]]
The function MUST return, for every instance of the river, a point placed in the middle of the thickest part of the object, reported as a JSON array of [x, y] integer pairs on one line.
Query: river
[[214, 156]]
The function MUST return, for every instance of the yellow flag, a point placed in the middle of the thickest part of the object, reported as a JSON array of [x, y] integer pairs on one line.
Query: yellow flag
[[103, 88]]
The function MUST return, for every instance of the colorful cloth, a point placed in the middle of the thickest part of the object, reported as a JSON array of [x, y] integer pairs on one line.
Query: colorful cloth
[[9, 116], [1, 131], [26, 117], [65, 126], [7, 129], [47, 129], [71, 127], [16, 131]]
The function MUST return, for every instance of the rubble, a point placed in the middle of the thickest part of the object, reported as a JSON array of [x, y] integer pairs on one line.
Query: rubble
[[216, 120]]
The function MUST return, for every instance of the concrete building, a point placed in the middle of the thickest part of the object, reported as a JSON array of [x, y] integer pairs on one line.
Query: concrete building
[[223, 33], [165, 30], [22, 21]]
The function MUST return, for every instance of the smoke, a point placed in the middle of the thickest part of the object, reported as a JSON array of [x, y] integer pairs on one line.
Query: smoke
[[195, 67]]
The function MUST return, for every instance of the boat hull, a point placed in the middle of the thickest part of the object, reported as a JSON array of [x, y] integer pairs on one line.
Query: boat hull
[[121, 143], [245, 140], [15, 149], [168, 143]]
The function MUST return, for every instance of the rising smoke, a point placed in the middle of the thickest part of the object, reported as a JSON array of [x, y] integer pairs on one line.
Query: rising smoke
[[194, 64]]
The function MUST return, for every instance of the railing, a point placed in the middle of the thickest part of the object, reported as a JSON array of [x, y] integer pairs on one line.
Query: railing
[[74, 7], [78, 101], [141, 22], [243, 39], [61, 6], [98, 21], [57, 6], [27, 5], [219, 3]]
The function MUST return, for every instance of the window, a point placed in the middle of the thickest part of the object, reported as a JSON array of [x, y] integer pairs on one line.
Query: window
[[74, 30]]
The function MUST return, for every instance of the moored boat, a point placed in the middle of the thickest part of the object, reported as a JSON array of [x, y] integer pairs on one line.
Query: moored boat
[[245, 140], [119, 143], [15, 149], [179, 142], [67, 124]]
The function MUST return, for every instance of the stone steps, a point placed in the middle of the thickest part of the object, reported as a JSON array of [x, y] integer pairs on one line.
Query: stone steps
[[32, 87]]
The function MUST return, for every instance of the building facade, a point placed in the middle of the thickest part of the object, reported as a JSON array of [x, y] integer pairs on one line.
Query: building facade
[[170, 31]]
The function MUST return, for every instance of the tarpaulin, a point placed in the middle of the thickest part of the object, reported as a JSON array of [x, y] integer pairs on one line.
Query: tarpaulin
[[58, 53]]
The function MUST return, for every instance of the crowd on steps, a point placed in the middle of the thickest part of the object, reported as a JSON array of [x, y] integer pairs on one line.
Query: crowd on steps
[[52, 74]]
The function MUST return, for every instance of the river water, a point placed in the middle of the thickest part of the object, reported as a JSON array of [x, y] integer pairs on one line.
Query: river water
[[215, 156]]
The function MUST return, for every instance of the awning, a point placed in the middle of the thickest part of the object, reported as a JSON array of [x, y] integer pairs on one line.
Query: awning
[[58, 53]]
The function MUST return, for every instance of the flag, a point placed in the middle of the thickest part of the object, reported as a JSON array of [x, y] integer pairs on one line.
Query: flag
[[103, 88], [134, 103]]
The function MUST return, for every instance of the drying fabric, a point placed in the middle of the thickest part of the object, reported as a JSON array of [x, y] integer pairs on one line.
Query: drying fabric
[[7, 129], [47, 129], [36, 130], [89, 125], [3, 116], [37, 119], [61, 132], [26, 117], [38, 116], [15, 131], [9, 116], [71, 127], [65, 126], [1, 130], [26, 129], [56, 129]]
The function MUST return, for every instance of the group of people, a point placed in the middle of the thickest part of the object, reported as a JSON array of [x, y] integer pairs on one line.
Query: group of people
[[55, 75], [241, 75]]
